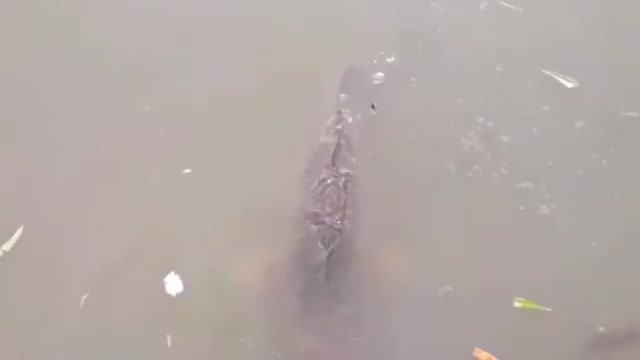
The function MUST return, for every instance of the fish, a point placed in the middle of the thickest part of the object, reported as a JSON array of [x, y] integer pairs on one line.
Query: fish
[[315, 296], [326, 221], [324, 283]]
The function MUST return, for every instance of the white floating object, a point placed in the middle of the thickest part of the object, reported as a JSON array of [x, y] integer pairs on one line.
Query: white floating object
[[483, 4], [505, 138], [568, 82], [187, 171], [512, 7], [83, 299], [524, 185], [579, 124], [390, 59], [378, 78], [444, 291], [169, 343], [173, 284], [633, 114], [9, 244], [147, 108], [544, 210]]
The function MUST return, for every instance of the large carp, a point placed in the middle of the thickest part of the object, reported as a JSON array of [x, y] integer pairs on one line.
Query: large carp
[[325, 287], [315, 304], [326, 221]]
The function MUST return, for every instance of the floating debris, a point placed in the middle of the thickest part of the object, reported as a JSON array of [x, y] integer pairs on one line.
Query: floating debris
[[390, 59], [9, 244], [512, 7], [169, 343], [568, 82], [633, 114], [505, 138], [544, 210], [187, 171], [83, 299], [579, 124], [378, 78], [524, 185], [499, 68], [482, 354], [472, 141], [483, 4], [146, 108], [173, 284], [444, 291], [524, 304]]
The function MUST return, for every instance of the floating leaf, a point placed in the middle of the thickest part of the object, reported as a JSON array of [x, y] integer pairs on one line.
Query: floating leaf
[[512, 7], [6, 247], [83, 299], [568, 82], [524, 304], [482, 355]]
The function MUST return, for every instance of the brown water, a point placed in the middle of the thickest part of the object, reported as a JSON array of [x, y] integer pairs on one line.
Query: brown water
[[102, 106]]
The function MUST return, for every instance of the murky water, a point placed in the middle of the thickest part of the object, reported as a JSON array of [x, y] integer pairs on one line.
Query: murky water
[[483, 178]]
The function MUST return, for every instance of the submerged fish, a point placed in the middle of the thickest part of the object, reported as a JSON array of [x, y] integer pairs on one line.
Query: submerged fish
[[327, 218], [312, 296], [326, 230]]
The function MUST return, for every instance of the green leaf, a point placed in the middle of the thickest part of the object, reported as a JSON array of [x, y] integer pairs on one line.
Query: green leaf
[[524, 304]]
